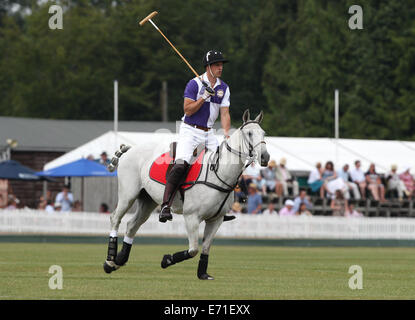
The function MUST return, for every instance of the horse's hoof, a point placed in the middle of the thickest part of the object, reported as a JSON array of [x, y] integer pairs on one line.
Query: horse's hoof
[[167, 261], [164, 218], [228, 218], [205, 276], [110, 266]]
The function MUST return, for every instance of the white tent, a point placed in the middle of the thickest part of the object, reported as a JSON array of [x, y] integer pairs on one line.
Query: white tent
[[301, 153]]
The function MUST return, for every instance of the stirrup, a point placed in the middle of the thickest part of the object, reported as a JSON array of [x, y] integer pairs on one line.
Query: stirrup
[[164, 216]]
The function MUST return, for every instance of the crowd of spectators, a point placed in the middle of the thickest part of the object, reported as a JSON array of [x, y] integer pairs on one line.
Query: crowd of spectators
[[342, 188]]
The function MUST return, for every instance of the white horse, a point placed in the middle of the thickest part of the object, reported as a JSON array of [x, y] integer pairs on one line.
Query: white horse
[[207, 200]]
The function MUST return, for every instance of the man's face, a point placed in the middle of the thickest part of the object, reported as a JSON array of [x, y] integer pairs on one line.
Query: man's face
[[216, 69], [357, 165], [302, 194], [346, 167]]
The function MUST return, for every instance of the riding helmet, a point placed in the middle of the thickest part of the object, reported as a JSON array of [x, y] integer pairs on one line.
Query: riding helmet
[[213, 56]]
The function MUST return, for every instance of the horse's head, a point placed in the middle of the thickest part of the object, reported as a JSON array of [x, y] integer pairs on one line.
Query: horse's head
[[252, 138]]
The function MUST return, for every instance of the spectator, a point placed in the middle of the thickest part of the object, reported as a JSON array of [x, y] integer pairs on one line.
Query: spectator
[[271, 184], [49, 207], [408, 180], [339, 204], [329, 176], [65, 198], [270, 209], [103, 208], [57, 206], [254, 199], [302, 198], [357, 175], [250, 175], [42, 203], [3, 202], [394, 182], [345, 176], [287, 210], [240, 196], [284, 176], [90, 157], [12, 202], [352, 212], [104, 159], [236, 208], [77, 206], [375, 184], [303, 211], [315, 180]]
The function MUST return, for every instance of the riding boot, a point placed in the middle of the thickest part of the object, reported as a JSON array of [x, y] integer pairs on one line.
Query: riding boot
[[165, 213], [177, 175]]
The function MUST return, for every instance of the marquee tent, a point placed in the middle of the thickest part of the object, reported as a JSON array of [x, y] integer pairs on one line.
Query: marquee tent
[[301, 153]]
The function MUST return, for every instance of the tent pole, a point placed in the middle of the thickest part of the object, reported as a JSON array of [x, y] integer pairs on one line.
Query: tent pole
[[336, 122], [116, 113]]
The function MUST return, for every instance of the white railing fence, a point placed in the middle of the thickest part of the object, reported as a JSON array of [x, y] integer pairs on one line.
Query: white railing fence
[[244, 226]]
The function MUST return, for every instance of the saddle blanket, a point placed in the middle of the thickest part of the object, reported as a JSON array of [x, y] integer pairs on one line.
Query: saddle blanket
[[160, 169]]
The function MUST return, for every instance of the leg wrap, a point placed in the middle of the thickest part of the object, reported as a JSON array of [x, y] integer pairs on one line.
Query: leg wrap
[[112, 248], [203, 264], [124, 254], [181, 256]]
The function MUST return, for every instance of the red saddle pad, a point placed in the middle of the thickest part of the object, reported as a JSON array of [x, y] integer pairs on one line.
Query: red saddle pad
[[158, 169]]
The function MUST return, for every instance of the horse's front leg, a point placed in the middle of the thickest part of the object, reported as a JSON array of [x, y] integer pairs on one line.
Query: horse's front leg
[[192, 227], [210, 231]]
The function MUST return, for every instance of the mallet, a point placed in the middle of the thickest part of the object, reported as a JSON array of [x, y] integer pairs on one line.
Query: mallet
[[148, 18]]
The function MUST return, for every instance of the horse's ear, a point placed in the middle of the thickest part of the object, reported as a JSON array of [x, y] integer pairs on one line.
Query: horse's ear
[[245, 116], [259, 117]]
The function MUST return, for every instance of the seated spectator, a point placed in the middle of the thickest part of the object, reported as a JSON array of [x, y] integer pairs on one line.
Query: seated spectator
[[3, 202], [250, 175], [271, 184], [358, 176], [374, 184], [77, 206], [315, 180], [254, 202], [12, 202], [49, 207], [104, 159], [270, 209], [394, 182], [57, 206], [352, 212], [285, 178], [287, 210], [240, 196], [302, 198], [65, 198], [303, 211], [329, 176], [103, 208], [345, 176], [339, 204], [408, 180], [42, 203], [236, 208]]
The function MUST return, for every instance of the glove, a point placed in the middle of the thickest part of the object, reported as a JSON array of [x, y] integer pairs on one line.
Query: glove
[[209, 92]]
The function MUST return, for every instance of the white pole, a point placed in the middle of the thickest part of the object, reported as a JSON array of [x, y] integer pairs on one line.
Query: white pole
[[116, 113], [336, 122]]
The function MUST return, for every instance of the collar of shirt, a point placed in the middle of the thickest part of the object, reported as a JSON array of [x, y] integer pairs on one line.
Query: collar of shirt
[[205, 78]]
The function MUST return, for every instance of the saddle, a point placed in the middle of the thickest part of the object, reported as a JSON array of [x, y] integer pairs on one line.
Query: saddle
[[162, 165]]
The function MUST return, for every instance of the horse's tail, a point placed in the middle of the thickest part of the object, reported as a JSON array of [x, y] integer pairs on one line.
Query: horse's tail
[[114, 161]]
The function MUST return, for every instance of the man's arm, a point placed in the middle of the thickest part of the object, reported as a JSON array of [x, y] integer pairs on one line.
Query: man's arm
[[225, 120], [190, 107]]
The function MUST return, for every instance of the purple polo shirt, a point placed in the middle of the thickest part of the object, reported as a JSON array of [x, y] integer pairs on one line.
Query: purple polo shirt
[[209, 111]]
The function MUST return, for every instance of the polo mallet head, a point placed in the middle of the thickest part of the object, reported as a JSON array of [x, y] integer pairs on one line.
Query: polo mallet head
[[151, 15]]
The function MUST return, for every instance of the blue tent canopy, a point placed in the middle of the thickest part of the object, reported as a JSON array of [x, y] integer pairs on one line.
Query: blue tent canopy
[[79, 168], [13, 170]]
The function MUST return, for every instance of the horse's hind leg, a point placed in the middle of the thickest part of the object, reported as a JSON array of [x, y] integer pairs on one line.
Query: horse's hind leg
[[192, 227], [125, 201], [211, 228], [146, 206]]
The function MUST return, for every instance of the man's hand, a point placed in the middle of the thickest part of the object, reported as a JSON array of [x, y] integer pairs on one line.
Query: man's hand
[[209, 92]]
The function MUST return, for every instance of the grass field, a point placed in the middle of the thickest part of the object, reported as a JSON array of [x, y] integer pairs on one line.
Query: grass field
[[240, 272]]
